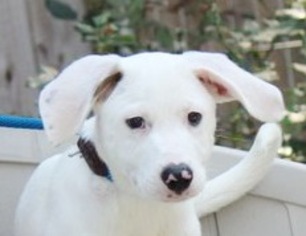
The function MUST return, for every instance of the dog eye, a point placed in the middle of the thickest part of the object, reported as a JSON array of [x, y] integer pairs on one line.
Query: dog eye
[[194, 118], [136, 122]]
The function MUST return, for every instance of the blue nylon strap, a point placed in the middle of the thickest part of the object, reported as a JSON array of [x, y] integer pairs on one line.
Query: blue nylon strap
[[19, 122]]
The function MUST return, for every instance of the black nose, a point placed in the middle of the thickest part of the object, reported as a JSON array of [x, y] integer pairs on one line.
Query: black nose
[[177, 177]]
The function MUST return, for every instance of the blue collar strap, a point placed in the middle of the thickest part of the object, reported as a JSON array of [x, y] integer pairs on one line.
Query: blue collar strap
[[94, 162]]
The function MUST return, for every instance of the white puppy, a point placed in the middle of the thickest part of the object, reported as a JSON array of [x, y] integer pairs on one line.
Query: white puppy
[[153, 132]]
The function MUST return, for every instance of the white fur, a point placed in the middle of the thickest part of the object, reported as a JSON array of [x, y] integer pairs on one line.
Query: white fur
[[64, 197]]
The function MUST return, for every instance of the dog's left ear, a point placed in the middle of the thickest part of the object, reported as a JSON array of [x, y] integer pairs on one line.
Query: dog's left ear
[[226, 82], [67, 100]]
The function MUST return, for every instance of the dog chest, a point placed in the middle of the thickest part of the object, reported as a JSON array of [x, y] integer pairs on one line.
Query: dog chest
[[132, 217]]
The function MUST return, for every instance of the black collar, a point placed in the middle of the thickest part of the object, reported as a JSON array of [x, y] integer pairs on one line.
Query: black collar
[[94, 162]]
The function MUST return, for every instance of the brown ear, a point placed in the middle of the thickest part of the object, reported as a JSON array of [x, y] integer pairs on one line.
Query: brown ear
[[226, 82], [66, 101], [104, 89]]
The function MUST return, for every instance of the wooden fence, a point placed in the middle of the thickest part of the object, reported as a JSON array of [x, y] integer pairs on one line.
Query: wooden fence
[[30, 37]]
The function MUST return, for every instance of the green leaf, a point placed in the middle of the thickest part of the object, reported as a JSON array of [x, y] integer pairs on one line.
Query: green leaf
[[102, 19], [60, 10], [84, 28]]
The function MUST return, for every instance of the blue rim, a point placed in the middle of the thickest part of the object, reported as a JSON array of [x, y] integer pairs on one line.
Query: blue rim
[[20, 122]]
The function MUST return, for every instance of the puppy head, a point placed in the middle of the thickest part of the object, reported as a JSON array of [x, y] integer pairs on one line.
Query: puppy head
[[155, 114]]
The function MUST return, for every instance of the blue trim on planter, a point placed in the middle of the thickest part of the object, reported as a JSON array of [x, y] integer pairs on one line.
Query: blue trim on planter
[[20, 122]]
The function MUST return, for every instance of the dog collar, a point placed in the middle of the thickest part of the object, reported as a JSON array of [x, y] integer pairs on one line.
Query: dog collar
[[94, 162]]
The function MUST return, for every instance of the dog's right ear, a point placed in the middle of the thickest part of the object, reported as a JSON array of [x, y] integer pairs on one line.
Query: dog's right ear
[[66, 101], [226, 81]]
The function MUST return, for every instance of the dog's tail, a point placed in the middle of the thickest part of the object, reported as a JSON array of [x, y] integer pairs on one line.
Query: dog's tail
[[241, 178]]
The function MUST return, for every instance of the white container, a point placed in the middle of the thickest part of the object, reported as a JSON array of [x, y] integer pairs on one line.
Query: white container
[[276, 207]]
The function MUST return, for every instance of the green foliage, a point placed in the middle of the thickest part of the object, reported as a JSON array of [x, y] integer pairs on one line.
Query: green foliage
[[252, 47], [106, 34], [128, 26], [294, 124]]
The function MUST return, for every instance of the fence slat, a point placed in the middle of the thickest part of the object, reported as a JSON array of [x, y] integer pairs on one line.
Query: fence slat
[[31, 37], [55, 41], [17, 58]]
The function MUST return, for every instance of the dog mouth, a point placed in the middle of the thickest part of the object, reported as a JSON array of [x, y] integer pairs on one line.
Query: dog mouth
[[173, 197]]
